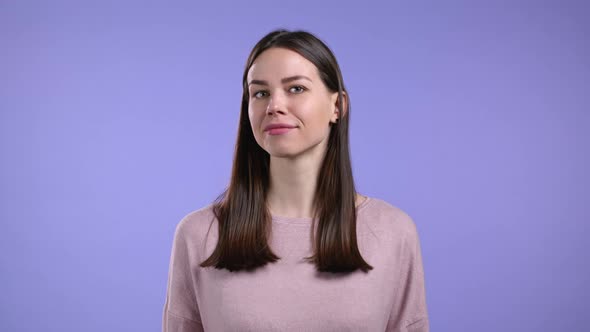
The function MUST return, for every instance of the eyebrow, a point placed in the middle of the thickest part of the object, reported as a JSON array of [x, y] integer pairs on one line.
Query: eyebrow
[[284, 80]]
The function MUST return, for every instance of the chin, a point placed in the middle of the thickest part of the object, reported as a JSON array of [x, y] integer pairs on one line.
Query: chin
[[281, 154], [278, 151], [290, 151]]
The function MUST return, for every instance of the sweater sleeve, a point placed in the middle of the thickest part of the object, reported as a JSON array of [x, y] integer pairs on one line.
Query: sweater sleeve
[[409, 312], [181, 312]]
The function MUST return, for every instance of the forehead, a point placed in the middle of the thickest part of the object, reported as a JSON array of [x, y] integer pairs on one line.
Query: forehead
[[276, 63]]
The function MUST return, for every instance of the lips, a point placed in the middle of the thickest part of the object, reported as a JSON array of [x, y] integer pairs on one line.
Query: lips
[[278, 126]]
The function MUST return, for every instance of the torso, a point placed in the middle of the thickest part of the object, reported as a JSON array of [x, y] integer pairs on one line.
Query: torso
[[360, 199]]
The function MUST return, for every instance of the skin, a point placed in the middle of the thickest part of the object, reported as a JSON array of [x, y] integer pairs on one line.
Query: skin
[[305, 102]]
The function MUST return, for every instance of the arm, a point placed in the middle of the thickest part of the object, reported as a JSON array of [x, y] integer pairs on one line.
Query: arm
[[181, 312], [409, 312]]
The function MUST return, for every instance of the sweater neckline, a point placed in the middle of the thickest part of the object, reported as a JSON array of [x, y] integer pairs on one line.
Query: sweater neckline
[[307, 221]]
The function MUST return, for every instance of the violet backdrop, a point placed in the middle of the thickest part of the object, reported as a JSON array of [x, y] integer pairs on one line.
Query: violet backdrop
[[119, 117]]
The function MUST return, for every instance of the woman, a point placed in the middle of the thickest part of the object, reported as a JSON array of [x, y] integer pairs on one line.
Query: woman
[[290, 245]]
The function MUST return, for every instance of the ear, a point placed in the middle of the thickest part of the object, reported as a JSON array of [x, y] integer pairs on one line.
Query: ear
[[335, 104]]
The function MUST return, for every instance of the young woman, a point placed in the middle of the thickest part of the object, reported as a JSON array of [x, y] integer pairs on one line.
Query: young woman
[[290, 245]]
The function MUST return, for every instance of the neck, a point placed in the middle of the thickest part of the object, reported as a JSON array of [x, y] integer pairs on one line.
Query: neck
[[292, 186], [293, 183]]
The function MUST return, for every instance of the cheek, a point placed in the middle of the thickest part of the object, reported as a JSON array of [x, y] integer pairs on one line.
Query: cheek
[[255, 111], [255, 121], [317, 114], [252, 115]]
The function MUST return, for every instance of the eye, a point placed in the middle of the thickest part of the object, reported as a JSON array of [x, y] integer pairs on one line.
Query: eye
[[297, 89], [259, 94]]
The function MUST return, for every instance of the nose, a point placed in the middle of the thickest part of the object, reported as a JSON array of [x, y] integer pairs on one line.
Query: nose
[[276, 104]]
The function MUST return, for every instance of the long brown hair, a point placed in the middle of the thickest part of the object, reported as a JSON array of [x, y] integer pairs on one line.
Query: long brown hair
[[243, 216]]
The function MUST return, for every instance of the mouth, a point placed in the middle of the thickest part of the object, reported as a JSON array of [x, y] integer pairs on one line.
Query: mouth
[[279, 130]]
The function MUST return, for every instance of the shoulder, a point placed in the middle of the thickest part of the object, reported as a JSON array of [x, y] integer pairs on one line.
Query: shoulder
[[196, 234], [196, 223], [382, 216]]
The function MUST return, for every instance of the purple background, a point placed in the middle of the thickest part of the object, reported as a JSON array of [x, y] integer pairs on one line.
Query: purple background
[[117, 119]]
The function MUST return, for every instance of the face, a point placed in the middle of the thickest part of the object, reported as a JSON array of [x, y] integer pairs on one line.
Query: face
[[285, 89]]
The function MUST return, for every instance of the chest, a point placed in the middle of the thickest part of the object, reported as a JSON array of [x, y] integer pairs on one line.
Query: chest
[[291, 295]]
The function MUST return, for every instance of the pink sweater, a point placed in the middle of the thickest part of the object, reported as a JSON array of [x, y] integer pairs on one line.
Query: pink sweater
[[289, 295]]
